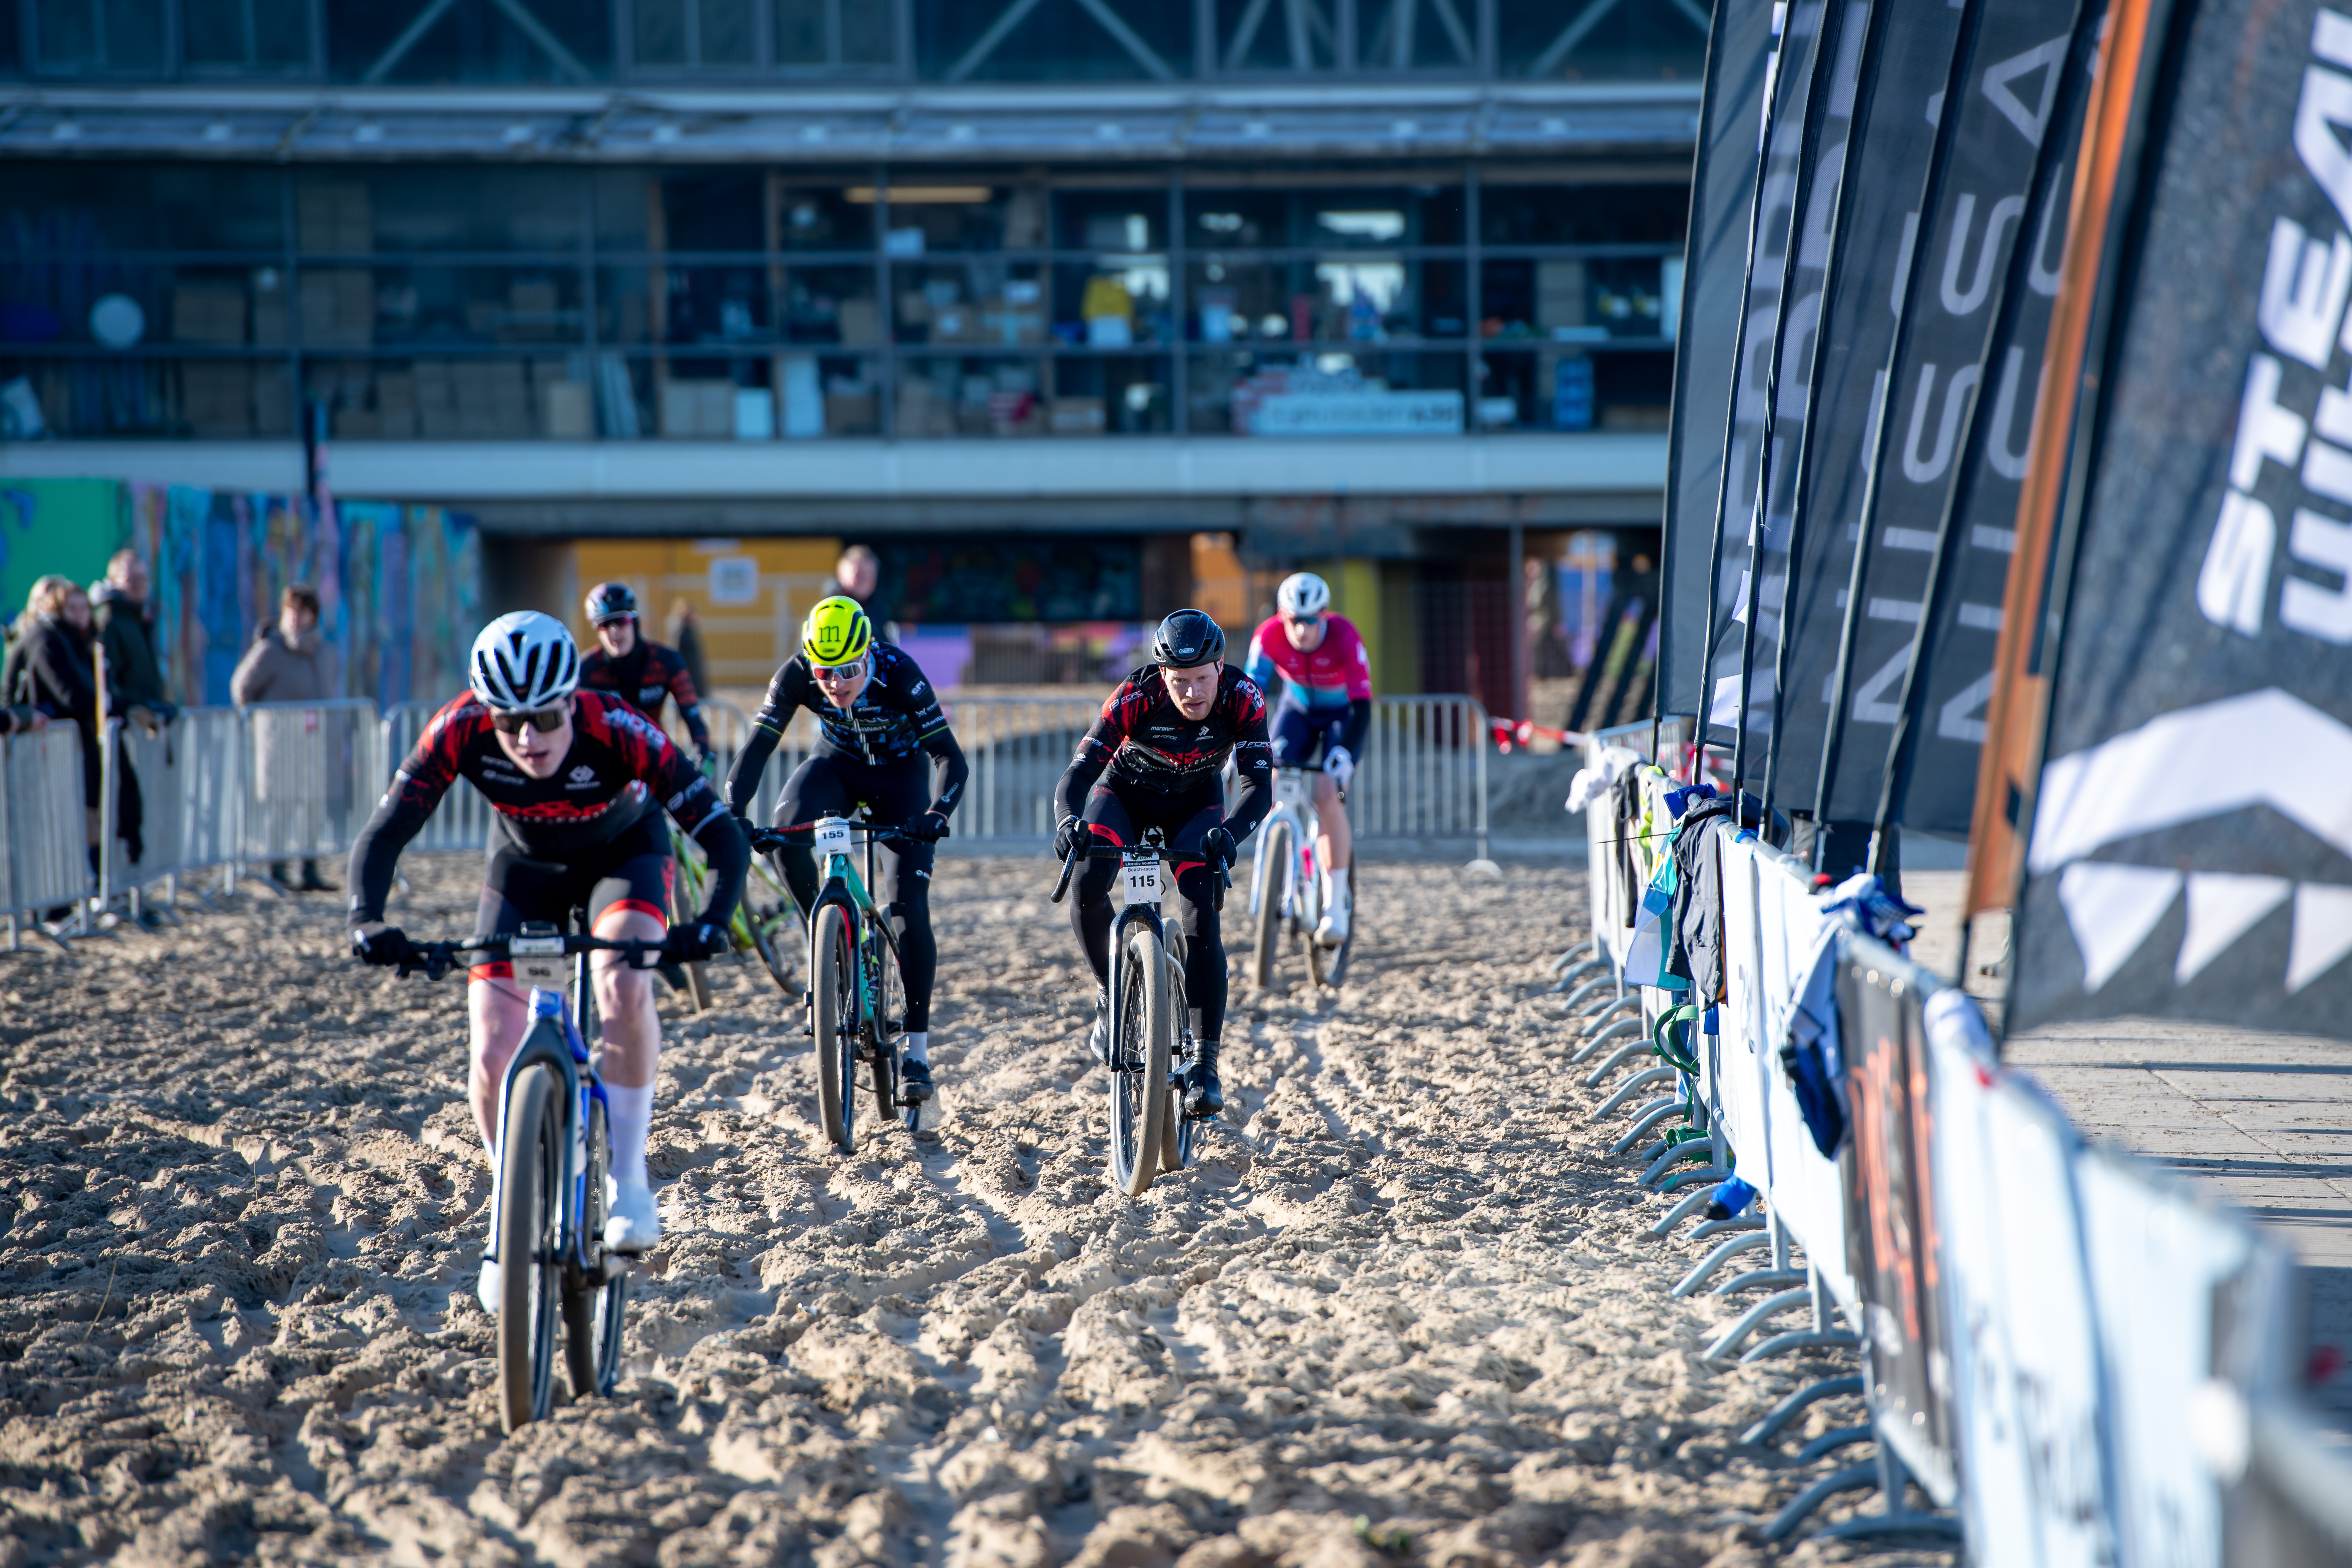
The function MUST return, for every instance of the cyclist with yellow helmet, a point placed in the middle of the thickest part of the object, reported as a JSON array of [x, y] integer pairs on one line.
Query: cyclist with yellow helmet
[[877, 721]]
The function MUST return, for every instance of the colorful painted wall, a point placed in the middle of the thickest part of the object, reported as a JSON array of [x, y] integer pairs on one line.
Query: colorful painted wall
[[399, 586]]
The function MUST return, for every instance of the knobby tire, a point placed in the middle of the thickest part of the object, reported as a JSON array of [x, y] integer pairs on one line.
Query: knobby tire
[[1275, 857], [1143, 1035], [592, 1313], [529, 1247], [833, 984]]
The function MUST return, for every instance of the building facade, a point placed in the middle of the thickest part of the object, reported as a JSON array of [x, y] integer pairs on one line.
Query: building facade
[[1390, 281]]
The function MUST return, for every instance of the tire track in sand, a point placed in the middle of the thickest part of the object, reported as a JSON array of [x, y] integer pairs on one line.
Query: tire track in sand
[[1414, 1292]]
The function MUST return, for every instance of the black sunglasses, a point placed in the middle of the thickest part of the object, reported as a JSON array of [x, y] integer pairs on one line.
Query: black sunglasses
[[546, 721]]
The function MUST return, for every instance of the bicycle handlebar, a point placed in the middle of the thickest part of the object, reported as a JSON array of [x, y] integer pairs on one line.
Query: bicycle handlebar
[[440, 957], [1099, 851], [764, 839]]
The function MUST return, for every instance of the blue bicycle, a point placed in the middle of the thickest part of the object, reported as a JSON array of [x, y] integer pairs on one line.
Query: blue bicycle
[[549, 1192]]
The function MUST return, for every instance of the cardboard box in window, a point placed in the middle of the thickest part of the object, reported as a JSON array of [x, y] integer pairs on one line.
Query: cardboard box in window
[[566, 413], [273, 401], [338, 307], [698, 410], [860, 322], [1016, 413], [1013, 326], [956, 324], [207, 312], [395, 405], [217, 397], [358, 424], [851, 413], [1559, 294], [493, 399], [1076, 417], [436, 401], [333, 217], [923, 413]]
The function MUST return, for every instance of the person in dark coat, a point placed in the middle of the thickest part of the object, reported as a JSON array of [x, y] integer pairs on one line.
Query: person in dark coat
[[126, 631], [55, 673]]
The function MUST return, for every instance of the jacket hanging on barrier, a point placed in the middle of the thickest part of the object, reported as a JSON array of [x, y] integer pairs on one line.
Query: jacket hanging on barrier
[[1813, 1052]]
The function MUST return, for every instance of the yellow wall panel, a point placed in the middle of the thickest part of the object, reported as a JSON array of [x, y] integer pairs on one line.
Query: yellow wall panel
[[749, 595]]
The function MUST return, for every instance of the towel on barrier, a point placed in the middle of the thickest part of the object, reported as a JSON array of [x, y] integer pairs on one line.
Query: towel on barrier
[[1597, 777]]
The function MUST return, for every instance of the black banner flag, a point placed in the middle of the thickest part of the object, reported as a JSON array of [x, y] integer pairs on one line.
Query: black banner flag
[[1715, 281], [1962, 250], [2190, 843], [1897, 133]]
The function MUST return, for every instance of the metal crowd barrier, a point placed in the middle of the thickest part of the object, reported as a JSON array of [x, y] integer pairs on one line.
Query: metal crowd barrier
[[1423, 770], [190, 780], [44, 826], [1018, 748], [315, 770]]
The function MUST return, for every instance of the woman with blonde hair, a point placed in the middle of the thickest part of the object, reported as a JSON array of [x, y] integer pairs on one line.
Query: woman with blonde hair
[[52, 668]]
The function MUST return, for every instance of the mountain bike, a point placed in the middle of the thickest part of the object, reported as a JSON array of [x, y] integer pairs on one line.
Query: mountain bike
[[1286, 885], [856, 1002], [548, 1192], [766, 921], [1151, 1042]]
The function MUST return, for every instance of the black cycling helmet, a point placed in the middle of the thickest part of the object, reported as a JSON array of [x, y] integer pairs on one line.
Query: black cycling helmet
[[609, 601], [1186, 638]]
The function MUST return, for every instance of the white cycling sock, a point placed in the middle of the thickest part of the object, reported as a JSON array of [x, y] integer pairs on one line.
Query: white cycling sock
[[631, 1113], [919, 1046], [1335, 890]]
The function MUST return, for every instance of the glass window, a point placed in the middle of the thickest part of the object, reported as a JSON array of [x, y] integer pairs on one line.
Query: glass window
[[1236, 220], [250, 35], [1408, 35], [955, 210], [440, 305], [474, 398], [568, 41], [1054, 41], [83, 38], [822, 218], [713, 210], [97, 397], [1121, 394], [1133, 220], [1330, 393], [710, 33], [1649, 214], [972, 396], [1573, 300], [835, 32], [1555, 388], [1252, 36], [421, 208], [1541, 38], [1114, 302], [133, 206], [1344, 216], [989, 303]]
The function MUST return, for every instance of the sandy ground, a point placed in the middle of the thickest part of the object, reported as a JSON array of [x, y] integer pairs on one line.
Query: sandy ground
[[1404, 1312]]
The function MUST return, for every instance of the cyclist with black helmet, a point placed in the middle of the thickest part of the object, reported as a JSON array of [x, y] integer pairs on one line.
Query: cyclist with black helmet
[[877, 721], [577, 782], [642, 672], [1155, 757]]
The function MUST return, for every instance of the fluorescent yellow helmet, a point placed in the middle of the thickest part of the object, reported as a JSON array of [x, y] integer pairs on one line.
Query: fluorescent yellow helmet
[[836, 632]]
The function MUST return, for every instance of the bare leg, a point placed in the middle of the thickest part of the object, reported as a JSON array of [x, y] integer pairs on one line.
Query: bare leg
[[495, 1011], [624, 1003]]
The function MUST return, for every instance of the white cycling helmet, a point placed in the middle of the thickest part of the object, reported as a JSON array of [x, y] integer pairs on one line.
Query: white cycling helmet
[[1303, 594], [522, 661]]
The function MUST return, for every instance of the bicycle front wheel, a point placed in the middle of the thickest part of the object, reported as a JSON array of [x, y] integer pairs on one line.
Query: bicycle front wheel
[[531, 1248], [833, 959], [1276, 859], [591, 1309], [1143, 1037]]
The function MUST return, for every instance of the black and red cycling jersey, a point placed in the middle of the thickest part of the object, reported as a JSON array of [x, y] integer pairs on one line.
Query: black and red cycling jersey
[[646, 677], [1146, 743], [620, 769]]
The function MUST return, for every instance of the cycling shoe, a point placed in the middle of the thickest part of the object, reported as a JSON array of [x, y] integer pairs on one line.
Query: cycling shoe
[[914, 1082], [634, 1223], [1099, 1037], [1203, 1095]]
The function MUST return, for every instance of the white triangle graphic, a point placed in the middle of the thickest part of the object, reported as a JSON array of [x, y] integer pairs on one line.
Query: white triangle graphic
[[2323, 932], [2111, 909], [2043, 57], [2222, 906]]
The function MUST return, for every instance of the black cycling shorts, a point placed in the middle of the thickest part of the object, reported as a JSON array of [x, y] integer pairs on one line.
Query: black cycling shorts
[[634, 872]]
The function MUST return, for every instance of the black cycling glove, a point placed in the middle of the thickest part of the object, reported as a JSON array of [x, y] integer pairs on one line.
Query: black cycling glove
[[1217, 848], [928, 828], [1068, 837], [694, 943], [389, 947]]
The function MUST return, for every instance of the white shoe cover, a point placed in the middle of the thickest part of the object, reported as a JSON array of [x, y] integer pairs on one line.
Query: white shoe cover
[[488, 1289], [1333, 929], [634, 1223]]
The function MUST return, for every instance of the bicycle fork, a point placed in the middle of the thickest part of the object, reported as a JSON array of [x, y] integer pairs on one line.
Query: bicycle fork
[[579, 1089]]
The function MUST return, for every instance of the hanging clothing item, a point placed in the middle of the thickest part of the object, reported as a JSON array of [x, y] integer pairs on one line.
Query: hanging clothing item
[[1812, 1054], [1598, 777]]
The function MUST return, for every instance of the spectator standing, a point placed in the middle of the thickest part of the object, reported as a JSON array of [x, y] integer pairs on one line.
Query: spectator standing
[[53, 670], [859, 571], [134, 680], [289, 662], [686, 636]]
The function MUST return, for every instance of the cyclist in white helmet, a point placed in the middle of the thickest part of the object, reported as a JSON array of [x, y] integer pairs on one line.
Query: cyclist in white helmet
[[577, 782], [1319, 720]]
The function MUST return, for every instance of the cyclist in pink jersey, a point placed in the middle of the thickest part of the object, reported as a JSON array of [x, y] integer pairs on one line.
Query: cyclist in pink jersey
[[1318, 723]]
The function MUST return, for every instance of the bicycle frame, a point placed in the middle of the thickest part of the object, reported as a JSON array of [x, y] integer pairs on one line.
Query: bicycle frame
[[1294, 802], [563, 1049], [841, 884], [1139, 913]]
